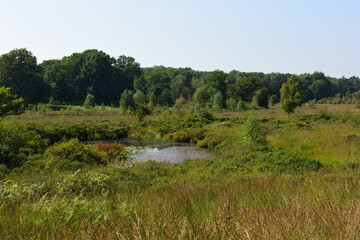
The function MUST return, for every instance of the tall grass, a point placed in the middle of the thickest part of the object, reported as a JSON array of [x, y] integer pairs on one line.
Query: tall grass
[[318, 207], [331, 143]]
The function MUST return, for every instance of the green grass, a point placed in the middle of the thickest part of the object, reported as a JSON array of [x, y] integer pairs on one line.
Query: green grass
[[331, 143], [301, 183]]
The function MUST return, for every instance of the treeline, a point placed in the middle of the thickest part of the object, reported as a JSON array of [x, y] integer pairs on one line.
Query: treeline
[[99, 78]]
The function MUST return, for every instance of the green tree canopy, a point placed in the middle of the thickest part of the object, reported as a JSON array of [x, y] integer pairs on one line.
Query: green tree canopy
[[245, 87], [261, 97], [218, 100], [139, 97], [158, 81], [291, 95], [127, 100], [20, 72], [201, 96], [10, 104], [216, 82]]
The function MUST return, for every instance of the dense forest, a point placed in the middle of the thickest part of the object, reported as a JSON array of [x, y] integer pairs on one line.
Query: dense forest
[[102, 79]]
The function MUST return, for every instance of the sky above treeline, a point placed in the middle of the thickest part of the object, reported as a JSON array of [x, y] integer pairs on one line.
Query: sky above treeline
[[288, 36]]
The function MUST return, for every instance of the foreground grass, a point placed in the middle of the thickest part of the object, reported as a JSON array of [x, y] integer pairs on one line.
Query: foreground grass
[[317, 207]]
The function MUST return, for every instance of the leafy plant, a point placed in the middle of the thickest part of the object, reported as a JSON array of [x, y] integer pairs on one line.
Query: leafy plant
[[253, 131]]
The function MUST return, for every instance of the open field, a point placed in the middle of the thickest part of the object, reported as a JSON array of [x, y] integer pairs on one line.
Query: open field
[[270, 177]]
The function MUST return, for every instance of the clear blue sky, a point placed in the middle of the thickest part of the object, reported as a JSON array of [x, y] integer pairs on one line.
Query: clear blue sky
[[294, 36]]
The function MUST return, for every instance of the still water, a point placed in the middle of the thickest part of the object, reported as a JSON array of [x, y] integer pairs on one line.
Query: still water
[[143, 151]]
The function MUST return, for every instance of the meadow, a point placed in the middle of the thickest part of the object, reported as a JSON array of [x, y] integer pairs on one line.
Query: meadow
[[271, 177]]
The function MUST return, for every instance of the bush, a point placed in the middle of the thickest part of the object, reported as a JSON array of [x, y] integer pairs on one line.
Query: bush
[[324, 114], [113, 151], [79, 184], [74, 151], [206, 115], [89, 101], [253, 131], [189, 136], [242, 105], [231, 104]]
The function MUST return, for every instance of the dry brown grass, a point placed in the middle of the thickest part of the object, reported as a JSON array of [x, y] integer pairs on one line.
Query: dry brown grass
[[112, 150], [277, 112]]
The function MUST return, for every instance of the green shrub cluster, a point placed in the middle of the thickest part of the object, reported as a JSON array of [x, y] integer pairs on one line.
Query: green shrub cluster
[[187, 136], [73, 153]]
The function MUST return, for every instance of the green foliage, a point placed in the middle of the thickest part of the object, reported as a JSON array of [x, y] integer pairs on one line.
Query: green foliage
[[89, 101], [20, 72], [115, 152], [218, 101], [261, 98], [153, 100], [127, 100], [158, 81], [291, 95], [139, 97], [253, 132], [216, 82], [188, 136], [231, 104], [203, 114], [17, 142], [265, 159], [10, 104], [245, 87], [324, 114], [180, 102], [165, 97], [202, 96], [241, 105], [140, 84], [88, 183], [273, 100], [141, 111], [74, 151]]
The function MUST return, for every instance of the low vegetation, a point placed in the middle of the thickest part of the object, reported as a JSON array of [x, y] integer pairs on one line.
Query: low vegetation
[[271, 177]]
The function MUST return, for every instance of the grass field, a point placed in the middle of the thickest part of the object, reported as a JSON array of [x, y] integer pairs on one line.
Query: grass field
[[301, 183]]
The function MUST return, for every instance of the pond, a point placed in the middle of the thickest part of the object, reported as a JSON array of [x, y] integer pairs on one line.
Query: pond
[[161, 151]]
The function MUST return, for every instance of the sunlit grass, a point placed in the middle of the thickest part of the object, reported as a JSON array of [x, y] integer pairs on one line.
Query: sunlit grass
[[317, 207], [334, 143]]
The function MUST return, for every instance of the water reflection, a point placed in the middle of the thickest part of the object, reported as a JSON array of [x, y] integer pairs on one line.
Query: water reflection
[[143, 151], [172, 154]]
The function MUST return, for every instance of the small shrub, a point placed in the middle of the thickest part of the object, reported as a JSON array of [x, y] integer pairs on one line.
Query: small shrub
[[114, 151], [206, 115], [89, 101], [253, 131], [242, 105], [89, 183], [324, 114], [190, 136]]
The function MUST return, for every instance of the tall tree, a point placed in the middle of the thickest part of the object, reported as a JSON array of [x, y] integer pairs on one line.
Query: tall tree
[[291, 96], [158, 81], [261, 97], [96, 77], [127, 70], [20, 72], [216, 82], [244, 88]]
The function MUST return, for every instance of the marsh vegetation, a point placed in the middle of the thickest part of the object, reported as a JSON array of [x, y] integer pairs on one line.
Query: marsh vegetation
[[265, 177]]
